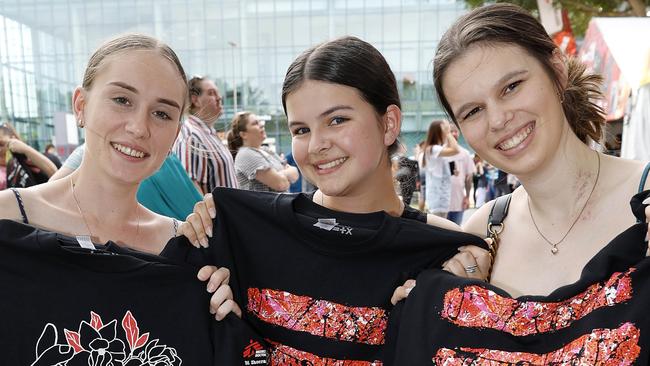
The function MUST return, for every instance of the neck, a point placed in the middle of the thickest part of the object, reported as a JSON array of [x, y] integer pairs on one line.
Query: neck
[[563, 181], [110, 204], [251, 145], [207, 120], [379, 196]]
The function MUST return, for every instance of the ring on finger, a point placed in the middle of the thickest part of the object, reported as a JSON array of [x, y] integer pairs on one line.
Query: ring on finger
[[471, 269]]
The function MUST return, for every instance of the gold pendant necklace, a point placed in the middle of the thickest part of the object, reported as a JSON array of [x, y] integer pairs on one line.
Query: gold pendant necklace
[[554, 249]]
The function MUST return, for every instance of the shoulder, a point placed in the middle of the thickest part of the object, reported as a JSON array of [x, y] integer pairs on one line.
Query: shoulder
[[477, 223], [9, 206], [618, 173], [442, 223]]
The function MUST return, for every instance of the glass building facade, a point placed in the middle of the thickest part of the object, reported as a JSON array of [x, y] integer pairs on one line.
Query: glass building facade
[[245, 46]]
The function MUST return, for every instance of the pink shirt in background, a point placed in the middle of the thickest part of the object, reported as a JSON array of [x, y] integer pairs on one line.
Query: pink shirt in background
[[3, 177]]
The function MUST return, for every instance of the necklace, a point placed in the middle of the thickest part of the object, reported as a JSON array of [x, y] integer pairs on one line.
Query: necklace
[[554, 249], [85, 239]]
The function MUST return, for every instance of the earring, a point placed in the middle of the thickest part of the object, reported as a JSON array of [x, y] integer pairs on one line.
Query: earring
[[80, 123], [561, 96]]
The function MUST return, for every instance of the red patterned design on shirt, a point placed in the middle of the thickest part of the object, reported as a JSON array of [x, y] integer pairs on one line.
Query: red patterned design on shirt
[[600, 347], [319, 317], [477, 307], [282, 355]]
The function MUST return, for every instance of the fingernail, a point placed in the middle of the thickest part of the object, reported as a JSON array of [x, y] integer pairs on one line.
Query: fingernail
[[208, 232], [445, 263], [204, 242], [646, 201], [461, 248], [212, 212], [408, 290], [211, 288]]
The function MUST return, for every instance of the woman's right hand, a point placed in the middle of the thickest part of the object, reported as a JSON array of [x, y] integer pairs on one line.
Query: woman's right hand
[[198, 225], [221, 301]]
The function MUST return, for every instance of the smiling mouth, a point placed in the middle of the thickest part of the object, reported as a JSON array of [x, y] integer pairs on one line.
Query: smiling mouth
[[517, 139], [331, 164], [128, 151]]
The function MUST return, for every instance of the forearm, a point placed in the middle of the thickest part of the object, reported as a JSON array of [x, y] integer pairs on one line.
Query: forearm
[[39, 160]]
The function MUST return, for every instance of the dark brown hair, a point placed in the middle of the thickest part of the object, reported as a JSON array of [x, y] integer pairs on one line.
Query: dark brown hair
[[351, 62], [509, 24], [237, 126]]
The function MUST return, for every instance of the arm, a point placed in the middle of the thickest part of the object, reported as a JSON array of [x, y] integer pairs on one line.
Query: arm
[[451, 147], [273, 178], [39, 160], [291, 172]]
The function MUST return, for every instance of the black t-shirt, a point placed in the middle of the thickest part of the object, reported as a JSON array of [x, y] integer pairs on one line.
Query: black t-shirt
[[320, 292], [22, 173], [602, 319], [64, 305]]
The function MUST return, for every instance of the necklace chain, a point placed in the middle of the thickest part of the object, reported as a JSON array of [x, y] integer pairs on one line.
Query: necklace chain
[[554, 249], [76, 201]]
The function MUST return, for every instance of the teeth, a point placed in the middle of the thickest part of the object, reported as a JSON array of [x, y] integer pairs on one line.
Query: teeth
[[128, 151], [516, 139], [332, 164]]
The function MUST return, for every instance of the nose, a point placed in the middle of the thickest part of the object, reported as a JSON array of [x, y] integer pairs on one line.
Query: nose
[[137, 125], [319, 141], [499, 116]]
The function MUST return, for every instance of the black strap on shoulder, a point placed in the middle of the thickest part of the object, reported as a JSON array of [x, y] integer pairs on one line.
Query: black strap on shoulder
[[644, 177], [21, 206], [498, 213], [413, 214]]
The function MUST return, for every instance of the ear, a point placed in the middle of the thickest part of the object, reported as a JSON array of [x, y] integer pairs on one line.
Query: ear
[[392, 124], [559, 62], [79, 103], [194, 99]]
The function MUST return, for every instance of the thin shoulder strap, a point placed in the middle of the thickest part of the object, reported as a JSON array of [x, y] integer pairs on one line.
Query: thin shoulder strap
[[21, 206], [644, 177], [174, 227], [498, 214]]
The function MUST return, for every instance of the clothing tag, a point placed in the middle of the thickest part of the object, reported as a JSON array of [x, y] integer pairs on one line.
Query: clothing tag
[[85, 242], [327, 224], [332, 225]]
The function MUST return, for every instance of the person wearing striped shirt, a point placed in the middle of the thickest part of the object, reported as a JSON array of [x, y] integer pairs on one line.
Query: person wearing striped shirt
[[205, 158]]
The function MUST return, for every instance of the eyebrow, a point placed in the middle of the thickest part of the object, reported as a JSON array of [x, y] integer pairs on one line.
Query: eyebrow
[[502, 80], [134, 90], [326, 112]]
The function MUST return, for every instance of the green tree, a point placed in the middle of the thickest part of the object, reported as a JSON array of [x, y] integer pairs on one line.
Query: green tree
[[581, 11]]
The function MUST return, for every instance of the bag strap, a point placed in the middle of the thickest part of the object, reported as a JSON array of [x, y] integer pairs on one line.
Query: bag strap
[[495, 226], [644, 177], [498, 214]]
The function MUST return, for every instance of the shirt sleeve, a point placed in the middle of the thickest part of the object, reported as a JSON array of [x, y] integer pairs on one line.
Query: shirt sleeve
[[74, 160], [435, 150], [249, 162], [193, 156]]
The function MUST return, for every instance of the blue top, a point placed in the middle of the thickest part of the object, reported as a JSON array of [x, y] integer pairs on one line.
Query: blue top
[[169, 191]]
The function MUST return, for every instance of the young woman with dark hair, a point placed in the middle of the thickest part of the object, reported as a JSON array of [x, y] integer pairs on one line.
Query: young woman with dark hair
[[339, 257]]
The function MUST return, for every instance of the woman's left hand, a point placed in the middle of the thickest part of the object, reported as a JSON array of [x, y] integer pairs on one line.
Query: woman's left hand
[[471, 262]]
